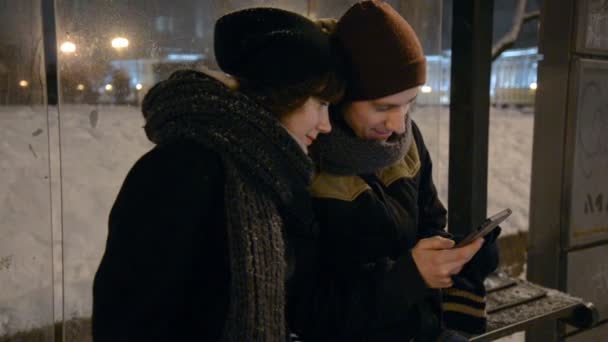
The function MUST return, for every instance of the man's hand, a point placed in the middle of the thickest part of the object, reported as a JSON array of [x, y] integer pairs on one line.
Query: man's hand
[[437, 261]]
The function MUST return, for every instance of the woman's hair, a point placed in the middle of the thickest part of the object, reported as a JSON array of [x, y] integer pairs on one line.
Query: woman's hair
[[282, 99]]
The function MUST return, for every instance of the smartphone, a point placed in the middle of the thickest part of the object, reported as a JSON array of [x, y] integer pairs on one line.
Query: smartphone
[[485, 227]]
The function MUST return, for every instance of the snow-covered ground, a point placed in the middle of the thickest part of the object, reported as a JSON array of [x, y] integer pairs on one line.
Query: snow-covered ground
[[99, 144], [509, 159]]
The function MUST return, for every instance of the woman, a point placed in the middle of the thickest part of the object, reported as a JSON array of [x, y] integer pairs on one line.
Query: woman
[[196, 247]]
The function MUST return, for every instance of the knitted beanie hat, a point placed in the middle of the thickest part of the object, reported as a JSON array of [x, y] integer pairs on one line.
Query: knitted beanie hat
[[383, 52], [271, 46]]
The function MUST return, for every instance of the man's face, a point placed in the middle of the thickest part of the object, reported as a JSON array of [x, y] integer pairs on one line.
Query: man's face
[[378, 119]]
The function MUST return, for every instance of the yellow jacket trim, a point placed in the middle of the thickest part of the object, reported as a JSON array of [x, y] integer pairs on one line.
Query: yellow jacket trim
[[408, 167], [345, 188], [455, 307], [464, 294]]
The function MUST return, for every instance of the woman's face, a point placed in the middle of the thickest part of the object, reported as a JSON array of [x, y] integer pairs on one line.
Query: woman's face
[[307, 121]]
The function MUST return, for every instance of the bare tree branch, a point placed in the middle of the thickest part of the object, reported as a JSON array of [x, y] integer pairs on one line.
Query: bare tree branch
[[531, 16], [519, 19]]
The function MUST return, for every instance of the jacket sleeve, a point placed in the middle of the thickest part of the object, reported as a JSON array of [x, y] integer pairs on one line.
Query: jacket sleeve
[[162, 224], [361, 285]]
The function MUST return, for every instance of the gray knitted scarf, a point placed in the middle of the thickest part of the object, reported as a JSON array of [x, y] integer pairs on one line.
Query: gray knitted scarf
[[265, 170], [341, 152]]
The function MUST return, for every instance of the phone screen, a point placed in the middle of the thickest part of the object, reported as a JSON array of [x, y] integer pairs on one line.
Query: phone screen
[[485, 227]]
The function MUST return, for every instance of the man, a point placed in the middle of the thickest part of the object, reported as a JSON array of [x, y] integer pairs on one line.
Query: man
[[384, 253]]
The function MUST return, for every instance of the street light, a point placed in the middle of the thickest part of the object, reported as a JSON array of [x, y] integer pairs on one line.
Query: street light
[[68, 47], [533, 86], [138, 86], [120, 43], [109, 87], [80, 87], [23, 83]]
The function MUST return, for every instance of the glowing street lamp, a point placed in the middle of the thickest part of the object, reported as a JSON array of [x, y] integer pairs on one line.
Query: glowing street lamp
[[533, 86], [68, 47], [23, 83], [80, 87], [120, 43], [138, 86], [109, 87]]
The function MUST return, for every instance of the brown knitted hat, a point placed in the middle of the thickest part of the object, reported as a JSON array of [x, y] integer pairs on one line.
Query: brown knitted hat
[[382, 51]]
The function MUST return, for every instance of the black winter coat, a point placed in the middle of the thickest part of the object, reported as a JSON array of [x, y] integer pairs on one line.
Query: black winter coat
[[165, 273], [370, 288]]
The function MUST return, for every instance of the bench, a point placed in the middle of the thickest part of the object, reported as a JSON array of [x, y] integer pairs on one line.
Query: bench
[[514, 305]]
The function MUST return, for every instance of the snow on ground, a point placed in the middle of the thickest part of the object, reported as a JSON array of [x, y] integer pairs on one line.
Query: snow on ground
[[99, 145], [509, 159], [25, 251]]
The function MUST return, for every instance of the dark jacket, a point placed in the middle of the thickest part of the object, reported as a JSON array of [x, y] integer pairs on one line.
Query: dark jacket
[[370, 288], [166, 273]]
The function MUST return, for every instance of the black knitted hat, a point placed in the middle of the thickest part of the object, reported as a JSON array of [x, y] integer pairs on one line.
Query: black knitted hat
[[271, 46]]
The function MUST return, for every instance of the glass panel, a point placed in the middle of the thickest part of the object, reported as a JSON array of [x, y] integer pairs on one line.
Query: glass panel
[[431, 112], [110, 54], [26, 255], [512, 96]]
